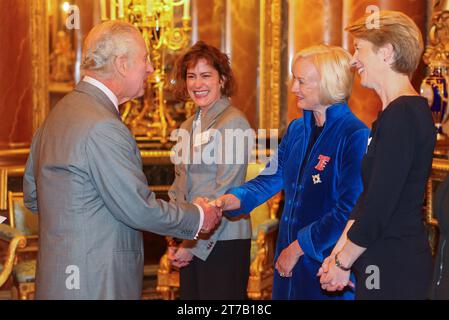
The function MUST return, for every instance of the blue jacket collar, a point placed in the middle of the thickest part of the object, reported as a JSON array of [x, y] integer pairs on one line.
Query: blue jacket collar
[[333, 113]]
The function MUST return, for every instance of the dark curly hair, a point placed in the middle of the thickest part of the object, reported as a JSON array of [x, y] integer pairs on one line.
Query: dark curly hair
[[214, 57]]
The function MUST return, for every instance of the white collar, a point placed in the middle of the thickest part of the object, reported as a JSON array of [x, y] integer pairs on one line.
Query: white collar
[[104, 89]]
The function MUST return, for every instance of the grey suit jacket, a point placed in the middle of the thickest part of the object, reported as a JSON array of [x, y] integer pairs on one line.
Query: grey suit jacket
[[84, 177], [213, 180]]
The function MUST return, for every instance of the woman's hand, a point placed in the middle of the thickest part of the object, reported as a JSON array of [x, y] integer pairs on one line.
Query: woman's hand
[[226, 202], [179, 256], [333, 278], [288, 259]]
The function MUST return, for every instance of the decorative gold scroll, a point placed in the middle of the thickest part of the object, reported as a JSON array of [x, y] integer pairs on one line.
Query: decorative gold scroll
[[270, 63]]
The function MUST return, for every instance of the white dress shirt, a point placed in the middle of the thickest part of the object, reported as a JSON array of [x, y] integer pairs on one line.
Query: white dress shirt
[[104, 89]]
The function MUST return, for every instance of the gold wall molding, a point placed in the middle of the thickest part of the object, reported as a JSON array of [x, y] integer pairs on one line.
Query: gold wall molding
[[270, 64], [3, 189], [440, 169], [39, 61]]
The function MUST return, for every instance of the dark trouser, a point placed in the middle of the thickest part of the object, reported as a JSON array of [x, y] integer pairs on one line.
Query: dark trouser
[[224, 275]]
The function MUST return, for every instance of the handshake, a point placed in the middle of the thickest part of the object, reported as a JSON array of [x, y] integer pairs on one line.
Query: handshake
[[213, 210]]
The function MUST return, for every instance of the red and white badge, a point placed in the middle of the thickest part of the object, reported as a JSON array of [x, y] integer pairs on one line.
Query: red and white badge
[[322, 162]]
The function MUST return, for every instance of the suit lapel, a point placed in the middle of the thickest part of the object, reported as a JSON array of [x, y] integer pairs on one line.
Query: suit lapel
[[206, 123], [181, 169], [214, 113]]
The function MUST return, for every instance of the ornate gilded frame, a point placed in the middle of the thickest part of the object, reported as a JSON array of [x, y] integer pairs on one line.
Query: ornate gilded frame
[[440, 169], [270, 64], [39, 61], [3, 188]]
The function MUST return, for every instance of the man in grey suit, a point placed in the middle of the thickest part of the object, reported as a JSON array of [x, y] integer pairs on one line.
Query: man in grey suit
[[84, 177]]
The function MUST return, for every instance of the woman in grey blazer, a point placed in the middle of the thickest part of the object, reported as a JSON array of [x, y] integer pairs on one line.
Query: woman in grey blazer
[[215, 266]]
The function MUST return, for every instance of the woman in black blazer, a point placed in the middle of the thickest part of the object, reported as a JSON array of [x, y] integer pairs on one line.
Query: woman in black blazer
[[385, 241]]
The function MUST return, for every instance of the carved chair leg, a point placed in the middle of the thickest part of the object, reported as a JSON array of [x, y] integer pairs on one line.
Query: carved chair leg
[[26, 291], [14, 293]]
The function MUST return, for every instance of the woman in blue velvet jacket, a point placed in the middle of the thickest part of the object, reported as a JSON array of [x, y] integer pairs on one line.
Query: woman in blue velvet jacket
[[318, 167]]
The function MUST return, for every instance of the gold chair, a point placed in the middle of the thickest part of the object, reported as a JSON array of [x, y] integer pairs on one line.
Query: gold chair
[[15, 241], [14, 238], [264, 233], [27, 223]]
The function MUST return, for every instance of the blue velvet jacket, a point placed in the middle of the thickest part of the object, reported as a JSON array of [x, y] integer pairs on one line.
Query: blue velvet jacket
[[318, 205]]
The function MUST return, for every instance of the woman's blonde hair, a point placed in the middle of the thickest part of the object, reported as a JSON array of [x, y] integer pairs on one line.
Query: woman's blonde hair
[[333, 65], [397, 29]]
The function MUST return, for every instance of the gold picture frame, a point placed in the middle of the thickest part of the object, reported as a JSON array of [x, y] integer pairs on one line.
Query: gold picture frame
[[39, 61], [270, 64], [440, 169]]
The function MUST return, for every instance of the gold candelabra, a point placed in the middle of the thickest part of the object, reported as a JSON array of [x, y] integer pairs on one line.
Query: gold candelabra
[[150, 119]]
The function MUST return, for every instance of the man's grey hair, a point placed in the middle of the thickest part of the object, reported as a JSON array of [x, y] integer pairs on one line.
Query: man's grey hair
[[106, 41]]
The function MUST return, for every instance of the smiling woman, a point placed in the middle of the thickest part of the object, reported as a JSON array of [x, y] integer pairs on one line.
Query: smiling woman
[[204, 75], [385, 229], [317, 83], [203, 84], [318, 165]]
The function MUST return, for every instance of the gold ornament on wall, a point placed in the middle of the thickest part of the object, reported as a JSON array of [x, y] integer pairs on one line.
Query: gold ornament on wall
[[165, 26], [62, 59]]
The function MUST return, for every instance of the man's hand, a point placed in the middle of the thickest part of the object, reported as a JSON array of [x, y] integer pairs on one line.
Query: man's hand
[[227, 202], [212, 214]]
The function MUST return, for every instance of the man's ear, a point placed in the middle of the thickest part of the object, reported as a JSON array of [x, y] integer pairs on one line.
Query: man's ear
[[121, 64]]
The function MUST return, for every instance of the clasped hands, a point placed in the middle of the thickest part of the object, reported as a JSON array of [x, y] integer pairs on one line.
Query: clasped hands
[[333, 278]]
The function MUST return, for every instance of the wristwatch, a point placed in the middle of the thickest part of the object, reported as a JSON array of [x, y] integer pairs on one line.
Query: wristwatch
[[340, 265]]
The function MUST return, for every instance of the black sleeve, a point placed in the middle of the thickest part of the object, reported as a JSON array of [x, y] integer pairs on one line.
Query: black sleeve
[[393, 159]]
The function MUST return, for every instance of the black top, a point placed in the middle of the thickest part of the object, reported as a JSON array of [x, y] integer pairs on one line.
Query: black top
[[315, 133], [395, 170]]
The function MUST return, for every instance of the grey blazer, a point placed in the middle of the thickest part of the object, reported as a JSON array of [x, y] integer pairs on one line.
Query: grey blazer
[[213, 180], [84, 177]]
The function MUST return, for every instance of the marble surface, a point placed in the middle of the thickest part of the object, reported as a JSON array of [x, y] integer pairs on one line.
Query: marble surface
[[15, 74], [210, 21], [310, 22], [238, 35], [245, 55]]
